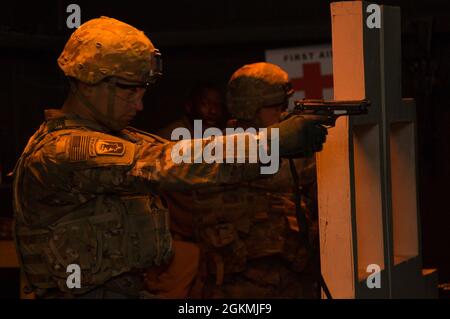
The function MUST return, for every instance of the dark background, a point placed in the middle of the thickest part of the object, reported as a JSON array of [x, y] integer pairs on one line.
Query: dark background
[[209, 40]]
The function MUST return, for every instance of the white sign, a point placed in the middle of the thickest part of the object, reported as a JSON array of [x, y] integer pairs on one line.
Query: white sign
[[310, 70]]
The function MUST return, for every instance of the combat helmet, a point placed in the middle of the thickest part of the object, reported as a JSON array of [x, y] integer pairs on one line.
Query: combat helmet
[[254, 86], [111, 50], [105, 47]]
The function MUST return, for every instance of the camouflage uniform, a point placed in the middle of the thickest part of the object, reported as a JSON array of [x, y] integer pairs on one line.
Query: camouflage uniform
[[81, 197], [185, 121], [251, 244], [87, 194]]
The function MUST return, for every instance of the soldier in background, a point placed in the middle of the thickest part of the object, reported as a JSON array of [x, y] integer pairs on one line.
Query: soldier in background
[[205, 102], [251, 245], [86, 188]]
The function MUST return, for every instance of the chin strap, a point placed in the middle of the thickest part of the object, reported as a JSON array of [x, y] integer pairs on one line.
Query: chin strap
[[111, 98], [105, 119], [302, 222]]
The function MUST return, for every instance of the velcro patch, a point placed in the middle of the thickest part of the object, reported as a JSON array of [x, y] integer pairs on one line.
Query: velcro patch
[[95, 149], [79, 147], [104, 147]]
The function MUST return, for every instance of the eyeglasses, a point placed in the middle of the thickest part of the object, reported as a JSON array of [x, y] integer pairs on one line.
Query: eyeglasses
[[133, 91]]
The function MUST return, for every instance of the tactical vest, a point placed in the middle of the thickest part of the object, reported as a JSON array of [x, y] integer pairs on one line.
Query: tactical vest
[[238, 224], [106, 236]]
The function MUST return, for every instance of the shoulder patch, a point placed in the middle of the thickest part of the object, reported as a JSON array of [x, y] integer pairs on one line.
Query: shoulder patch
[[113, 148], [95, 149]]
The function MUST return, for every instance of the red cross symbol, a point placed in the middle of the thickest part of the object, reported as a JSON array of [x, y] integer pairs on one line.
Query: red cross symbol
[[312, 82]]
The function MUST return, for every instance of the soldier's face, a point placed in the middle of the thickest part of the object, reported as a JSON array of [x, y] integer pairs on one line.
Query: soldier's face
[[209, 107], [268, 115], [127, 102]]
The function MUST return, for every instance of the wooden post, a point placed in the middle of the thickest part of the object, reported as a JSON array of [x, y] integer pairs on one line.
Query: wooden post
[[367, 170]]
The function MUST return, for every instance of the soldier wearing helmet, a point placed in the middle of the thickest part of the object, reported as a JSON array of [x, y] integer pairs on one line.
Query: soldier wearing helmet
[[86, 187], [251, 245], [258, 93]]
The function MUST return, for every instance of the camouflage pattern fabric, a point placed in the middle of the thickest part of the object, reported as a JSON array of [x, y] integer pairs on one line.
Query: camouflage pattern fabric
[[254, 86], [85, 196], [106, 47], [248, 233], [251, 243]]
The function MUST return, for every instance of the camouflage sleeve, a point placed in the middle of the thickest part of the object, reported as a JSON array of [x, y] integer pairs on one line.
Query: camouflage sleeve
[[161, 163], [98, 162]]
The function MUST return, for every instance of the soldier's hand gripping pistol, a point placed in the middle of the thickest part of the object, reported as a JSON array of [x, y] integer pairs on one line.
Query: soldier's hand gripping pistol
[[328, 111], [324, 113], [303, 130]]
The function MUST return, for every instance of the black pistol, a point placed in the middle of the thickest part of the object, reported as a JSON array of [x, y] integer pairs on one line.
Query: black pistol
[[330, 109]]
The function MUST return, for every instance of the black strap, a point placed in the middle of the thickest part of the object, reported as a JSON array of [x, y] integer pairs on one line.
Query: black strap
[[303, 223]]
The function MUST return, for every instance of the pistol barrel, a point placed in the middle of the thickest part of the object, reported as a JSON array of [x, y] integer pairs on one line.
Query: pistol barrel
[[331, 107]]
